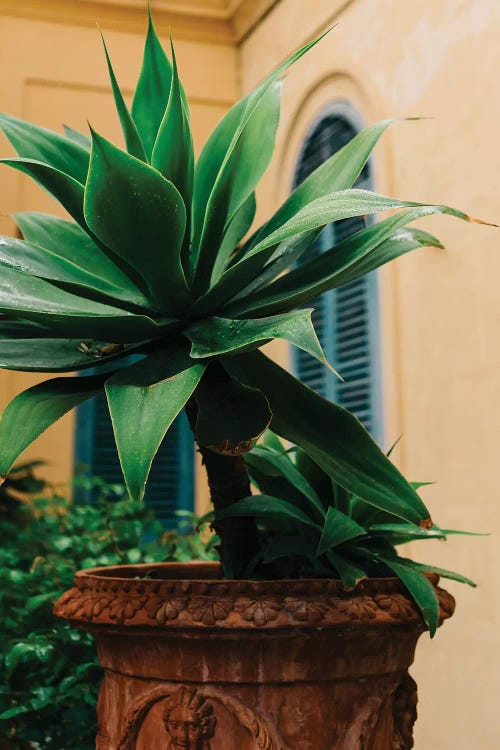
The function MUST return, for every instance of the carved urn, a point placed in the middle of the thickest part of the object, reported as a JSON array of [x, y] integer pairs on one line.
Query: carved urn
[[194, 662]]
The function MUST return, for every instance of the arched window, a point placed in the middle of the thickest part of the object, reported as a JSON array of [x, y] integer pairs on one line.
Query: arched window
[[171, 482], [346, 319]]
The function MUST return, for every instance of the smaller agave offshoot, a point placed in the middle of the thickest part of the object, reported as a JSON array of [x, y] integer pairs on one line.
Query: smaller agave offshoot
[[154, 263]]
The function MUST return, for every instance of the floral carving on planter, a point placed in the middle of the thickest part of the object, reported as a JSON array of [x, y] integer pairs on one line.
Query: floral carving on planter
[[121, 610], [84, 606], [209, 609], [306, 611], [165, 610], [261, 611], [397, 606], [361, 608], [240, 604]]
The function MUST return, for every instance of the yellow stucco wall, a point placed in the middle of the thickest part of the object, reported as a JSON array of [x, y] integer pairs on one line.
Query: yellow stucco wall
[[440, 316], [440, 311]]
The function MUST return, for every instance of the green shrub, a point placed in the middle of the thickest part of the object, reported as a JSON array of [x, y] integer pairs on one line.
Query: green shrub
[[49, 672]]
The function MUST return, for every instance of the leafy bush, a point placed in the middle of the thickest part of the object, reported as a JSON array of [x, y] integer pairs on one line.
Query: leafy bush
[[49, 672]]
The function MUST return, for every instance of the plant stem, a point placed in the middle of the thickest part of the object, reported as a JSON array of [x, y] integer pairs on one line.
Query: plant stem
[[228, 481]]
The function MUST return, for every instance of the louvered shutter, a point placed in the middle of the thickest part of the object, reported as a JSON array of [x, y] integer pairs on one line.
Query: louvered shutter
[[346, 319], [171, 482]]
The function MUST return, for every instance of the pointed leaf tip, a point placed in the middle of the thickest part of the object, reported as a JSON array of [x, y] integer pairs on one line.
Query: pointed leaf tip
[[152, 90], [132, 137], [473, 220], [427, 523]]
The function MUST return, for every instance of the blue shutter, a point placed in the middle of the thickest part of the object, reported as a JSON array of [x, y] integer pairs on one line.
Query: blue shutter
[[346, 319], [171, 482]]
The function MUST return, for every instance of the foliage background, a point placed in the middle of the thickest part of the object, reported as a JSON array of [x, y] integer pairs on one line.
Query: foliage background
[[49, 676]]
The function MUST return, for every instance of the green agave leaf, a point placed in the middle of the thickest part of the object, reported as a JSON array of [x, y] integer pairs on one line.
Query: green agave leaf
[[277, 301], [284, 468], [266, 505], [55, 355], [355, 256], [336, 174], [339, 172], [418, 485], [340, 205], [173, 149], [80, 138], [451, 575], [338, 528], [272, 441], [267, 480], [152, 90], [420, 589], [231, 416], [232, 281], [405, 532], [54, 150], [140, 216], [315, 475], [244, 165], [217, 336], [341, 498], [72, 275], [332, 436], [225, 137], [283, 257], [65, 189], [33, 411], [402, 242], [10, 328], [67, 240], [130, 133], [367, 515], [236, 229], [209, 164], [35, 299], [144, 400], [350, 574]]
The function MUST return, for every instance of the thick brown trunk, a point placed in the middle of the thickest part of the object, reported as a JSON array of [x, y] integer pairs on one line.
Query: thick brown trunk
[[228, 482]]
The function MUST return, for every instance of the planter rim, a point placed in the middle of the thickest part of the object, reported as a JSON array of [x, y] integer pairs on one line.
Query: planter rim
[[194, 595], [207, 571]]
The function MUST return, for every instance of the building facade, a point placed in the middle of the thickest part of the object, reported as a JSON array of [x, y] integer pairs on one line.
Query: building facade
[[421, 338]]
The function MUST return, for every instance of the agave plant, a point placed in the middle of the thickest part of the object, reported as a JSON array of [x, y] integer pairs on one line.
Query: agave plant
[[154, 262], [311, 527]]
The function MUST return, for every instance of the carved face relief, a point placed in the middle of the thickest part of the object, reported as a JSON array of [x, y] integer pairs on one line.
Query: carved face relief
[[189, 720], [184, 730]]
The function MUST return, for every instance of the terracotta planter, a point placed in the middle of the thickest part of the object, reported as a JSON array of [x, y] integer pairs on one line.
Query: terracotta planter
[[194, 662]]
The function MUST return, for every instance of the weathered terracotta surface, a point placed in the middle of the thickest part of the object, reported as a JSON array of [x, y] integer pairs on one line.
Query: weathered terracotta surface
[[197, 663]]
